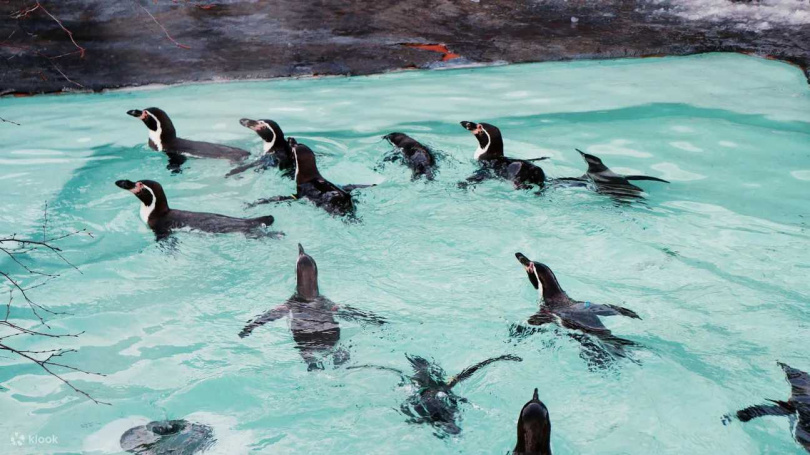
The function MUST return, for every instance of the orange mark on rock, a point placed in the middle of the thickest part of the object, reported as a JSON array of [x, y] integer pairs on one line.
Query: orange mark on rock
[[440, 48]]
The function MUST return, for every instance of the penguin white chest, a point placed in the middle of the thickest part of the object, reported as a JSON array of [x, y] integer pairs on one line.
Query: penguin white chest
[[154, 136]]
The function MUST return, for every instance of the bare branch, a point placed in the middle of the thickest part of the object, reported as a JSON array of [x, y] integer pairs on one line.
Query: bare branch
[[183, 46], [8, 121], [38, 6]]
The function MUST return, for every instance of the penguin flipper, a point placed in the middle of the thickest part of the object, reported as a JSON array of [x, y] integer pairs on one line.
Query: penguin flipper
[[477, 177], [272, 199], [402, 375], [605, 310], [176, 161], [350, 188], [542, 158], [753, 412], [242, 168], [276, 313], [645, 177], [469, 371], [353, 314]]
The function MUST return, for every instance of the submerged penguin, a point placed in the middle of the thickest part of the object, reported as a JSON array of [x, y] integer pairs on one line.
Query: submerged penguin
[[557, 307], [602, 180], [311, 185], [155, 212], [416, 156], [522, 173], [434, 402], [312, 317], [177, 437], [797, 406], [163, 138], [276, 152], [533, 429]]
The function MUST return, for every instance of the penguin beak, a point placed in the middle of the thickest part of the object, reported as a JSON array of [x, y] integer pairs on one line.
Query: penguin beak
[[528, 265], [252, 124], [129, 185], [470, 126], [135, 113], [535, 397], [300, 250]]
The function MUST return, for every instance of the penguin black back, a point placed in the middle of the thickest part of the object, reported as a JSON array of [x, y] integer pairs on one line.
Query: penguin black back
[[533, 429]]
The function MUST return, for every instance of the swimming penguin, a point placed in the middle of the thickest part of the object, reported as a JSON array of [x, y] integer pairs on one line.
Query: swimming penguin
[[797, 407], [415, 155], [276, 151], [434, 402], [522, 173], [574, 314], [312, 317], [156, 213], [168, 437], [605, 181], [311, 185], [533, 429], [163, 138]]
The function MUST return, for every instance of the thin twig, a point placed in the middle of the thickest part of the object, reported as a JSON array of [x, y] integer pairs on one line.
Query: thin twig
[[26, 12], [164, 30], [9, 121]]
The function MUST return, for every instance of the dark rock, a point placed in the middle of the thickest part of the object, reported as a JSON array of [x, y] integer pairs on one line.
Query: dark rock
[[177, 437], [238, 39]]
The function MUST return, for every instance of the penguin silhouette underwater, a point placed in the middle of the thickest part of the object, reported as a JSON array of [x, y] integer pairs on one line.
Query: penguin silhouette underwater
[[163, 138], [434, 401], [313, 322], [796, 408], [583, 317]]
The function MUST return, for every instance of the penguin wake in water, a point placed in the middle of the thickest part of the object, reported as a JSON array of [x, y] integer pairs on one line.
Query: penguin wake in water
[[572, 314], [155, 212], [796, 408], [416, 156], [434, 402], [533, 429], [522, 173], [276, 152], [312, 317], [163, 138], [311, 185], [604, 181]]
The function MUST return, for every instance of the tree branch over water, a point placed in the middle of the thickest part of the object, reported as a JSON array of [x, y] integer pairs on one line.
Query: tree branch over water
[[20, 250]]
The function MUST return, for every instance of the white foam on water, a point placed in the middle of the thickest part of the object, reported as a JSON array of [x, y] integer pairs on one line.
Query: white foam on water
[[672, 172], [803, 174], [617, 147], [687, 146]]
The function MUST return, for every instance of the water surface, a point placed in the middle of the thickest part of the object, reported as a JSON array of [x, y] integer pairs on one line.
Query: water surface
[[715, 263]]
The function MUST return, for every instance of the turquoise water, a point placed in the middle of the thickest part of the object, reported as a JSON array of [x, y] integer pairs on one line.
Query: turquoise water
[[715, 263]]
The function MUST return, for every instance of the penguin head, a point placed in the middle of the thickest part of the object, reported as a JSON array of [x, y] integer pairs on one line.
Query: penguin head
[[397, 139], [268, 130], [306, 271], [534, 428], [160, 126], [305, 167], [490, 142], [153, 199], [595, 165], [540, 275]]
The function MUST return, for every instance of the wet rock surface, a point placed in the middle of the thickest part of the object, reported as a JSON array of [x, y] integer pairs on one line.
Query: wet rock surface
[[120, 44]]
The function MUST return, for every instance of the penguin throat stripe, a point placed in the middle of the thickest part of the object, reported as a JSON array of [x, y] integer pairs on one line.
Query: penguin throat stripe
[[146, 210], [269, 145], [155, 136], [482, 151]]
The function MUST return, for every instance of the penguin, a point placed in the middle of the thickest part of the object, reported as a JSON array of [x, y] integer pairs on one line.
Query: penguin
[[797, 406], [313, 322], [156, 213], [416, 156], [572, 314], [522, 173], [311, 185], [163, 138], [533, 429], [434, 402], [276, 151], [168, 436], [604, 181]]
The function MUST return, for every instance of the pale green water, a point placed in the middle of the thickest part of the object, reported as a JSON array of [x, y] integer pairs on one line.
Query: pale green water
[[732, 133]]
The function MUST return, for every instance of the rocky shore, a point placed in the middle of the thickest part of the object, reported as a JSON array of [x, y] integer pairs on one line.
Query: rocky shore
[[53, 46]]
